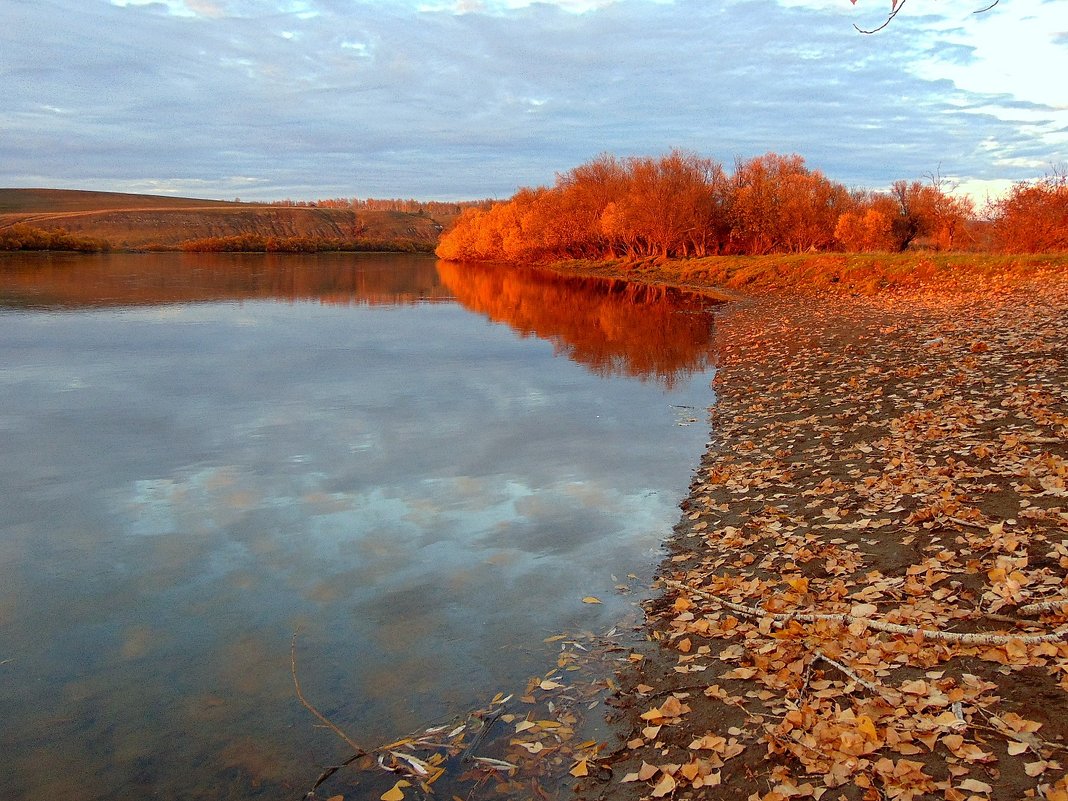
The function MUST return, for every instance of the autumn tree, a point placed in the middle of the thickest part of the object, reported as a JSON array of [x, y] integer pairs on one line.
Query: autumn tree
[[868, 225], [682, 205], [1033, 217], [779, 205]]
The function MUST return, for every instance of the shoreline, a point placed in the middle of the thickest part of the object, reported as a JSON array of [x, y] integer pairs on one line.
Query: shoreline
[[899, 455]]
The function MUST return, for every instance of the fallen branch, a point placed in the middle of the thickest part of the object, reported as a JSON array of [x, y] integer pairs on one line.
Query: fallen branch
[[890, 695], [1055, 605], [877, 625]]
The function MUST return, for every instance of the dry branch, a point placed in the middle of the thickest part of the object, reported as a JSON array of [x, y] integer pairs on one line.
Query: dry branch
[[890, 695], [877, 625], [1055, 605]]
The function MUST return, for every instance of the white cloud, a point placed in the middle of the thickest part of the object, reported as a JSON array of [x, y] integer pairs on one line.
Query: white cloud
[[313, 98]]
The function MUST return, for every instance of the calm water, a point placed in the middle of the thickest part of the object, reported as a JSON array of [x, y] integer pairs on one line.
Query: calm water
[[424, 468]]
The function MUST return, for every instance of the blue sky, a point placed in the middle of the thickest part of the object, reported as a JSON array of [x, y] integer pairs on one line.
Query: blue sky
[[267, 99]]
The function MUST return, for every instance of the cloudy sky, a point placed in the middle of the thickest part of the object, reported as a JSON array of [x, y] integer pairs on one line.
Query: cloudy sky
[[267, 99]]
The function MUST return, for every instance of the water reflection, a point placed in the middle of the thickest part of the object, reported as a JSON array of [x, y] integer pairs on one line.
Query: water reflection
[[612, 327], [72, 281], [425, 495]]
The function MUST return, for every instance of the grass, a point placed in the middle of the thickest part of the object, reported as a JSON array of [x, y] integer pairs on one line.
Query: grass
[[858, 273]]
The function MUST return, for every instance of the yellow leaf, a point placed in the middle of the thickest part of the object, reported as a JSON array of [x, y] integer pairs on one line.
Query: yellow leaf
[[866, 727], [711, 742], [580, 768], [589, 599], [690, 770], [395, 793], [550, 685], [976, 786], [798, 584], [647, 771], [665, 786], [336, 798], [671, 708]]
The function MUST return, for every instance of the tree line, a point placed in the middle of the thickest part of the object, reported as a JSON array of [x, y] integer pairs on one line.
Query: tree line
[[684, 205], [257, 243], [429, 208]]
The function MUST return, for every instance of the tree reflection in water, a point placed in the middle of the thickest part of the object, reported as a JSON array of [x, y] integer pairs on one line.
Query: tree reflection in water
[[612, 327]]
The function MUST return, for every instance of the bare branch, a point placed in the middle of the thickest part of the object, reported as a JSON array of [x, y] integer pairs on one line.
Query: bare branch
[[901, 4], [893, 14]]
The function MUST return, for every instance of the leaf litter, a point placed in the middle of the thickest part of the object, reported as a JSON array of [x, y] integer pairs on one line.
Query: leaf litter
[[867, 595], [526, 745]]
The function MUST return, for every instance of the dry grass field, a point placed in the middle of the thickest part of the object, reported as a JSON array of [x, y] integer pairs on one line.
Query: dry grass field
[[148, 221]]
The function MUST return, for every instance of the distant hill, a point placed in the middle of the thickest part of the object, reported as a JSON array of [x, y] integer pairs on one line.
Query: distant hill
[[146, 221], [52, 201]]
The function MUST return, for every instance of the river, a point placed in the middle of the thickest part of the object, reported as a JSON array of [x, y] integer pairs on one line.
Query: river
[[420, 469]]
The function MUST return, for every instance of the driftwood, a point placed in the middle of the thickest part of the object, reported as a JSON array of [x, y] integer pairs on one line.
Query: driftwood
[[876, 625], [1055, 605]]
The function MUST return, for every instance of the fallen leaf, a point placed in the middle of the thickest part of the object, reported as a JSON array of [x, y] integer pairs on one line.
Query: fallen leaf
[[647, 771], [665, 786], [976, 786], [395, 793], [590, 599]]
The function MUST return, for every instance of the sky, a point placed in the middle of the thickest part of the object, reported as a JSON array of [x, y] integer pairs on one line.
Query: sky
[[464, 99]]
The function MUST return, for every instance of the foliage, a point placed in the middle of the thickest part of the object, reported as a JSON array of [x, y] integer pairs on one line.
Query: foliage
[[26, 237], [683, 205], [1034, 216]]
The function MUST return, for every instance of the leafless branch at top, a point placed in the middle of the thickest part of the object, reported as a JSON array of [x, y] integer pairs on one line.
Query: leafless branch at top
[[893, 14]]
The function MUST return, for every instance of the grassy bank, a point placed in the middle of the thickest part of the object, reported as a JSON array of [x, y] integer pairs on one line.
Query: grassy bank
[[859, 273]]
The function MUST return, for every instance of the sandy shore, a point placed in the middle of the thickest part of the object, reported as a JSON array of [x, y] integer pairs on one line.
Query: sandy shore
[[887, 473]]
